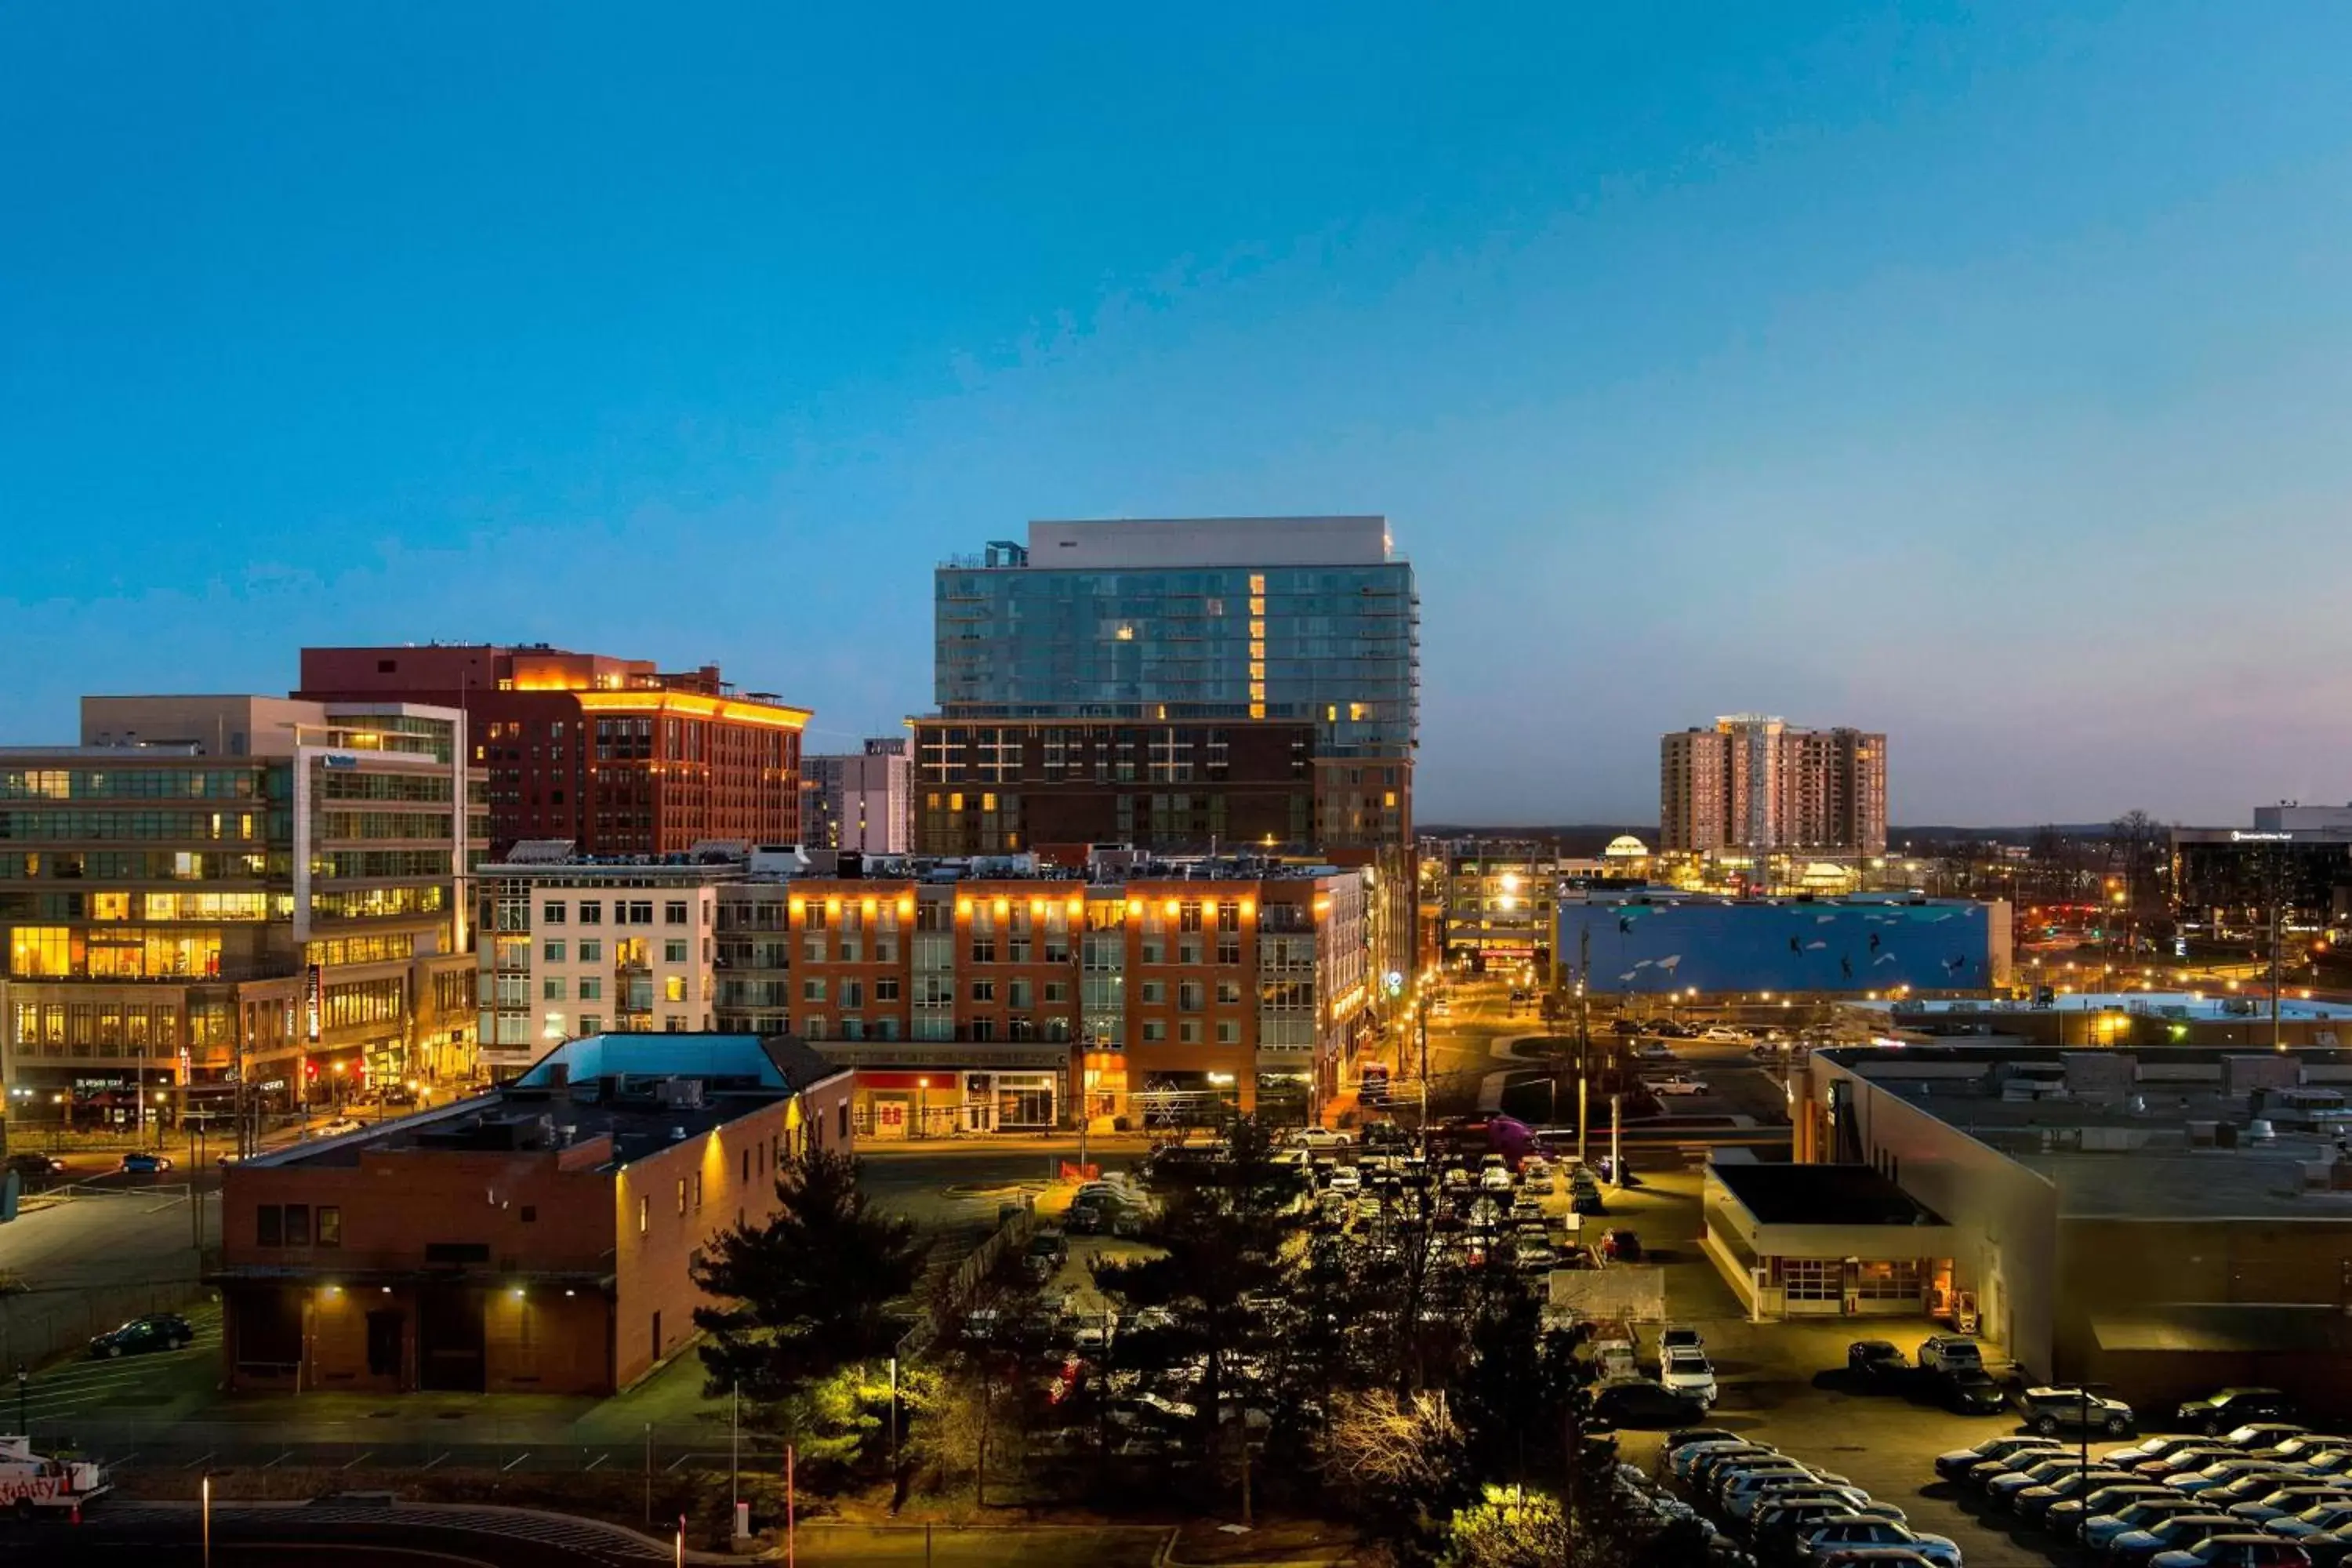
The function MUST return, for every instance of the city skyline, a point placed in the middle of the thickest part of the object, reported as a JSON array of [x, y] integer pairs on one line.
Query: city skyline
[[1926, 372]]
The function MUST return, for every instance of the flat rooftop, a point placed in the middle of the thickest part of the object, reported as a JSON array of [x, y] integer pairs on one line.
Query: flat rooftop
[[2141, 1143], [2237, 1006], [1778, 1194], [619, 1086]]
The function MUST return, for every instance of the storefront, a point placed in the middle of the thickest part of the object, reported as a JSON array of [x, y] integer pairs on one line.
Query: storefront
[[898, 1103], [1821, 1240]]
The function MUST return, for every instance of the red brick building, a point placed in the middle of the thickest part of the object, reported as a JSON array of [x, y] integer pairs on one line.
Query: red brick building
[[533, 1240], [612, 753], [1000, 995]]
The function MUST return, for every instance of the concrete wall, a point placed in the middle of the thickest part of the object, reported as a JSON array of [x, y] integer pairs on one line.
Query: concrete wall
[[2003, 1218]]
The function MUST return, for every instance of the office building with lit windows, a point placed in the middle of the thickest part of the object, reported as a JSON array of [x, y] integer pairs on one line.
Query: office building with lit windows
[[612, 753], [1187, 686], [215, 902]]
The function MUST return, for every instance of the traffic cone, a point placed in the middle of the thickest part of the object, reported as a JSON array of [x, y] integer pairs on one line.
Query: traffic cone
[[77, 1510]]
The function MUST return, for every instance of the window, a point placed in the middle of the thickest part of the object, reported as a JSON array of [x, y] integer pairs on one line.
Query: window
[[1155, 992], [551, 913], [640, 912], [673, 988], [674, 912], [644, 1214], [1191, 994], [592, 911], [1229, 993], [550, 989], [1056, 991], [886, 988], [297, 1224], [591, 950], [1021, 994], [984, 990], [269, 1226], [1189, 1031], [591, 1023], [552, 951], [812, 988], [852, 994], [681, 1195], [1229, 948], [1810, 1279], [674, 952], [592, 988], [1188, 951], [1229, 1032], [330, 1226], [1154, 1029]]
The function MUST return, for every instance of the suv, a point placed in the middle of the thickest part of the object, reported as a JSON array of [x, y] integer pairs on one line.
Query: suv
[[1684, 1369], [1839, 1534], [1957, 1464], [1970, 1392], [1950, 1353], [2236, 1551], [2050, 1410], [1877, 1364], [2228, 1407]]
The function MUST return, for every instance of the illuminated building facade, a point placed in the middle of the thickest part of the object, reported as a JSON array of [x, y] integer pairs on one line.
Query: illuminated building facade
[[210, 892], [1756, 783], [1186, 686], [612, 753]]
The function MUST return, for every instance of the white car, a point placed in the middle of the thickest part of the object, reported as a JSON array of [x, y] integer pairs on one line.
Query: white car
[[1345, 1179], [1322, 1138], [1685, 1370], [1676, 1085], [1653, 1051], [1494, 1179], [1720, 1036]]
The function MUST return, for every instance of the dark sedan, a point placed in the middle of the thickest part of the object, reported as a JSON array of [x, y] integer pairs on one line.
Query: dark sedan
[[161, 1331]]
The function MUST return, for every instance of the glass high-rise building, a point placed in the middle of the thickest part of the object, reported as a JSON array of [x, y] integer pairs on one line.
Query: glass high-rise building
[[1183, 684], [1302, 619]]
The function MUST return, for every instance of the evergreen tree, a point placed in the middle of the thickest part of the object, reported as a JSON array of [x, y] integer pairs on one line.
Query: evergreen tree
[[804, 1294]]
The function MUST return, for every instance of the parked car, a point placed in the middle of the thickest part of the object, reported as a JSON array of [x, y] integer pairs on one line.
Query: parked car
[[157, 1331], [1840, 1533], [1946, 1352], [2054, 1409], [2286, 1503], [1970, 1391], [140, 1163], [2228, 1472], [337, 1126], [1877, 1364], [1345, 1179], [2228, 1407], [1653, 1051], [2240, 1551], [2133, 1548], [1683, 1438], [2002, 1491], [1621, 1245], [1494, 1179], [2066, 1515], [1685, 1370], [1625, 1026], [1642, 1404], [1322, 1138], [2034, 1503], [1679, 1336], [1722, 1034], [2262, 1434], [1952, 1466], [2320, 1518], [1675, 1087], [2099, 1532], [1046, 1253]]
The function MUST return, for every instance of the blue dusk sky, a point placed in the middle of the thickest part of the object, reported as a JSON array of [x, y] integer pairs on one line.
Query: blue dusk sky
[[1982, 373]]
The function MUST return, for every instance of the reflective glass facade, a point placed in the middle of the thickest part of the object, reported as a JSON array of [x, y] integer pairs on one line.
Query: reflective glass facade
[[1336, 645]]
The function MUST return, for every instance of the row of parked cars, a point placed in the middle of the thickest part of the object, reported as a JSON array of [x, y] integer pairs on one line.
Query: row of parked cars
[[1793, 1514], [2263, 1494]]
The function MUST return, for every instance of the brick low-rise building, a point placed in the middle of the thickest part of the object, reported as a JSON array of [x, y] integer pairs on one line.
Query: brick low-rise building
[[533, 1240], [992, 995]]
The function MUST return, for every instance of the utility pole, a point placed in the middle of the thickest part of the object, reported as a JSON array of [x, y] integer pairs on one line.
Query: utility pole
[[1584, 1036], [1421, 1016], [2276, 1043]]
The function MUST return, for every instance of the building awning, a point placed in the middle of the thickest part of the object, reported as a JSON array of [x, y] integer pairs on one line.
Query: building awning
[[2226, 1328]]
